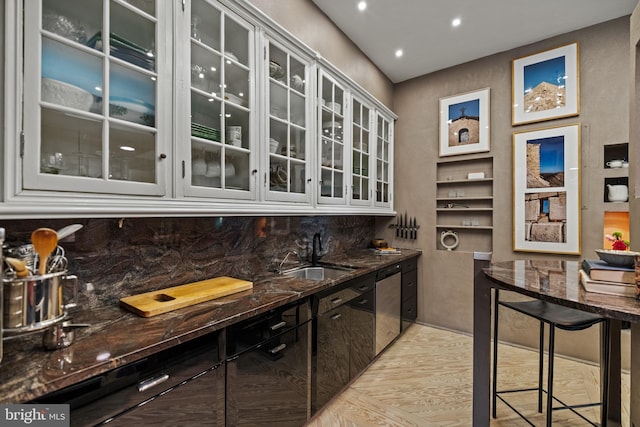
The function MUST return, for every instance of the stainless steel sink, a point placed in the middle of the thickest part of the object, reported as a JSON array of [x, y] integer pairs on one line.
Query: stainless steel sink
[[318, 273]]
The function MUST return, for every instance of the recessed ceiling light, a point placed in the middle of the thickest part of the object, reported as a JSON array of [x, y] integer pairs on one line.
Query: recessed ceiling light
[[362, 5], [399, 53], [456, 22]]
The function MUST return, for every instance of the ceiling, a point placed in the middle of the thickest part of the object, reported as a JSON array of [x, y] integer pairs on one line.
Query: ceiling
[[423, 30]]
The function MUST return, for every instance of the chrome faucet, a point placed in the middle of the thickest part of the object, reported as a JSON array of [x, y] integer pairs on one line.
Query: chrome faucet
[[314, 253], [285, 260]]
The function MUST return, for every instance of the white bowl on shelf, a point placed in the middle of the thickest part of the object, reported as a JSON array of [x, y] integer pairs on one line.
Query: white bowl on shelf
[[61, 93], [335, 107], [617, 258]]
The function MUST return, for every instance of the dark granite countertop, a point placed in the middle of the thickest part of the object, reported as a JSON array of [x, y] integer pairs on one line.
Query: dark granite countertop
[[116, 336], [558, 282]]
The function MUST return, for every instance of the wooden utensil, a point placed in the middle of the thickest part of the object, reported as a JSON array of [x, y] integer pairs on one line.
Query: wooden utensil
[[19, 266], [44, 241]]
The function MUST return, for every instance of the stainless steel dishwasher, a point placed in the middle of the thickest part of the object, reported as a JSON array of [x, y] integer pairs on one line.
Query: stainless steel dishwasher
[[388, 300]]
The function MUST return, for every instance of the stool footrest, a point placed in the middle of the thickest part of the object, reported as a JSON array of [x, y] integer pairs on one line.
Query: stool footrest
[[564, 406]]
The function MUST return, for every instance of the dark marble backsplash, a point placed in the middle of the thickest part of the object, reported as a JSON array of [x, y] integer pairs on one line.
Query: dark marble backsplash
[[114, 258]]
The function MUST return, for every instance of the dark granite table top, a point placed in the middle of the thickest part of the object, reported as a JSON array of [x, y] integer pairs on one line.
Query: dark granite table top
[[559, 282], [116, 336]]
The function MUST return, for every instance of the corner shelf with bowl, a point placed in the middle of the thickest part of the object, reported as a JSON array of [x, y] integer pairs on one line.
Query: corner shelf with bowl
[[464, 203]]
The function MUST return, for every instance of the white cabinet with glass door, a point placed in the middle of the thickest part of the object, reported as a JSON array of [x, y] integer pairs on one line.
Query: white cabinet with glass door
[[332, 100], [384, 161], [97, 93], [289, 117], [361, 148], [219, 103]]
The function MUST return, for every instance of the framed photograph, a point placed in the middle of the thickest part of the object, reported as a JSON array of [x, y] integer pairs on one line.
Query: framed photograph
[[546, 85], [546, 190], [464, 123]]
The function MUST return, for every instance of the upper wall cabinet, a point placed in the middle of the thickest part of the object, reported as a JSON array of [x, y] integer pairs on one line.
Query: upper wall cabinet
[[198, 107], [362, 121], [97, 92], [288, 120], [384, 161], [219, 105], [332, 137]]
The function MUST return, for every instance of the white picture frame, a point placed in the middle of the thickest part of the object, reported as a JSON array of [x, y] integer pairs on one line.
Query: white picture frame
[[546, 85], [464, 123], [546, 190]]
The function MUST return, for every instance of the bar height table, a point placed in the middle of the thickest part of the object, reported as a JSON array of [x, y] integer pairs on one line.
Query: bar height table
[[556, 282]]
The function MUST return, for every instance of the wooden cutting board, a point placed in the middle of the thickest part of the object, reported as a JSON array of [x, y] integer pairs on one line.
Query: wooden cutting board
[[165, 300]]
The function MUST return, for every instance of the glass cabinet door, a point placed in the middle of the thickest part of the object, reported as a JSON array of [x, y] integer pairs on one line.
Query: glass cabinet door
[[288, 88], [331, 141], [220, 59], [384, 153], [94, 79], [361, 120]]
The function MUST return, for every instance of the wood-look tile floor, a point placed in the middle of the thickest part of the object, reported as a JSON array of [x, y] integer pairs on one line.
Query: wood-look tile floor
[[425, 379]]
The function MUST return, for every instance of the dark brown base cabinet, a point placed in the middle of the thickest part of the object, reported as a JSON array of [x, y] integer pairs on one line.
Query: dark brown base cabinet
[[268, 378], [409, 305], [275, 369], [344, 337], [183, 386]]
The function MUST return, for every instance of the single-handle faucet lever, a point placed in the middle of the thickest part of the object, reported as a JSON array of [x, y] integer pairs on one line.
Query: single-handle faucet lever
[[314, 253]]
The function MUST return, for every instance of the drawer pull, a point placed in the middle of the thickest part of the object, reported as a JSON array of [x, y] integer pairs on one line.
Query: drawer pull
[[363, 288], [363, 302], [152, 382], [278, 349], [336, 316], [336, 301], [278, 325]]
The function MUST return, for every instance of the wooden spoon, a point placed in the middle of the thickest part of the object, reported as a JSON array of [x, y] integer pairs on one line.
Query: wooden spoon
[[44, 241], [19, 266]]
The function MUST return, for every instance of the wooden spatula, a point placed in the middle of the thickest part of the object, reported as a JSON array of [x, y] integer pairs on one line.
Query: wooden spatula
[[44, 242]]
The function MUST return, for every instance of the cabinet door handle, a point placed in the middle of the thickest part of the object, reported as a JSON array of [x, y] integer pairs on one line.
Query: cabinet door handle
[[152, 382], [278, 349], [336, 301], [278, 325], [336, 316], [363, 302]]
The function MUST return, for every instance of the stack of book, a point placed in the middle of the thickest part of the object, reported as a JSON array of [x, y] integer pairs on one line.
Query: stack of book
[[599, 277], [386, 251]]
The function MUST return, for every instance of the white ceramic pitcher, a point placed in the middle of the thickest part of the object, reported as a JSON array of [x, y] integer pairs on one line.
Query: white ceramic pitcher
[[617, 193]]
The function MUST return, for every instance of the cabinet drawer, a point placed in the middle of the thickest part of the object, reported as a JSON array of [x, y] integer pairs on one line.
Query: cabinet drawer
[[335, 299], [107, 395], [409, 264], [410, 309], [343, 293], [409, 284]]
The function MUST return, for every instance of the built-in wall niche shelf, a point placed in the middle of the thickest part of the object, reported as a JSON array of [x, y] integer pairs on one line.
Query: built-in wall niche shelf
[[615, 222], [468, 227], [615, 181], [464, 203], [614, 152]]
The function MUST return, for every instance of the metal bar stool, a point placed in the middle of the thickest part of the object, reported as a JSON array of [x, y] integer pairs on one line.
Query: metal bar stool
[[556, 316]]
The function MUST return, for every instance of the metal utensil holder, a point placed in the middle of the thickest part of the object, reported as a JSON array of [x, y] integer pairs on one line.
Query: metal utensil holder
[[35, 303]]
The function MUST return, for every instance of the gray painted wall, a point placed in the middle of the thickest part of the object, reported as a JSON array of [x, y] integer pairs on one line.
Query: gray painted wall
[[446, 290]]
